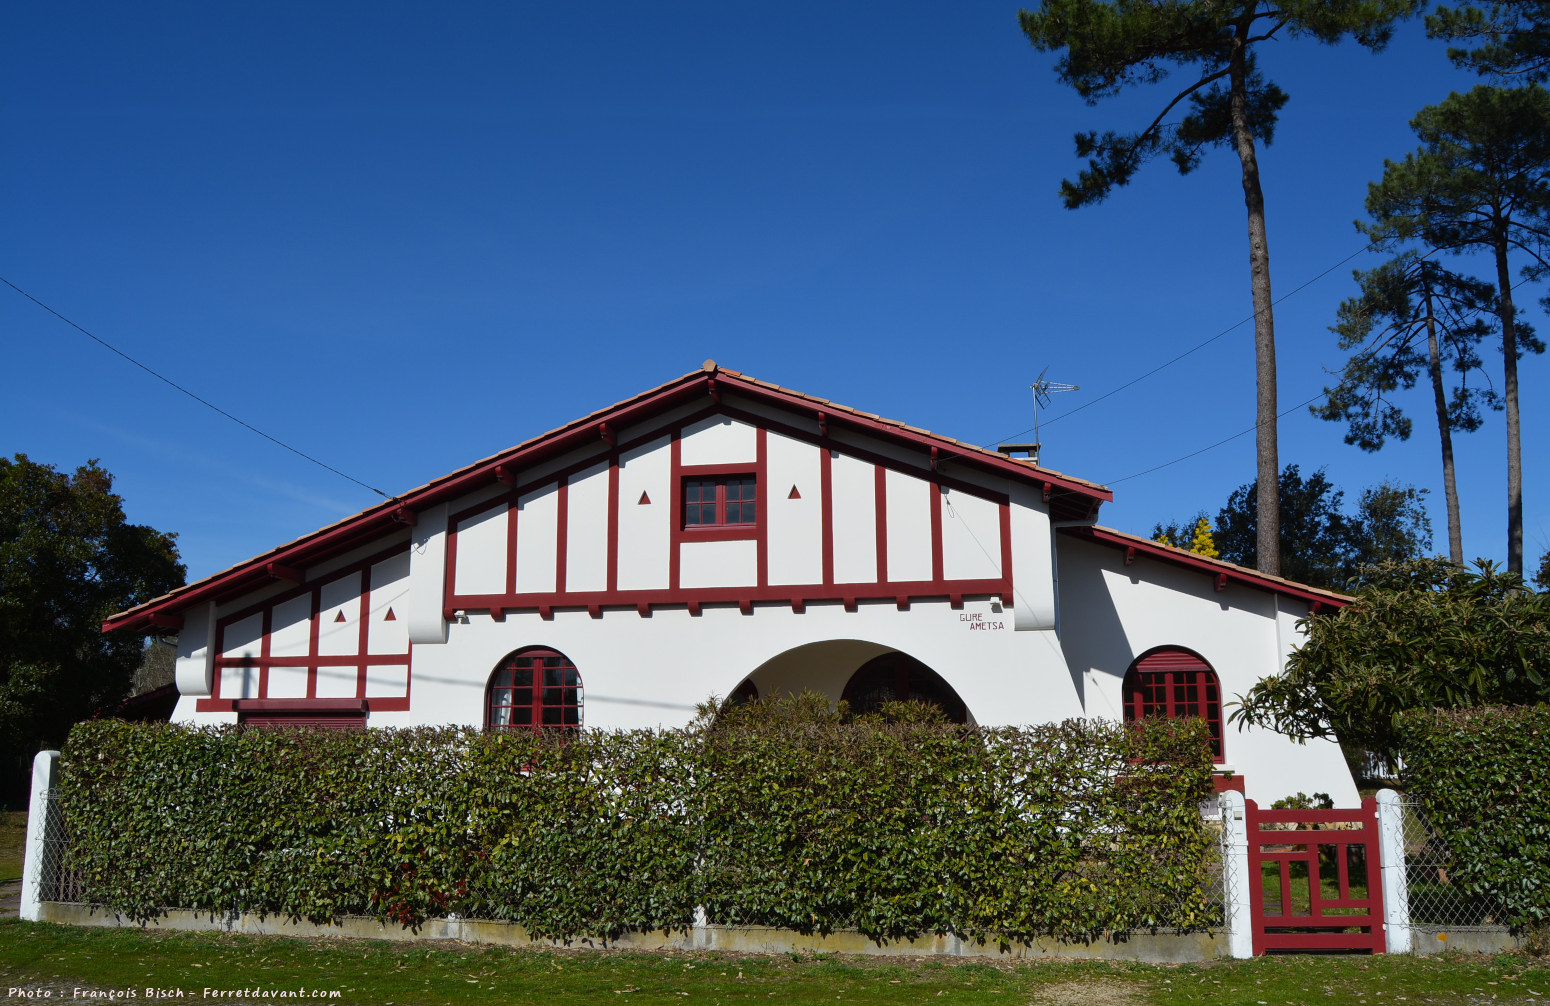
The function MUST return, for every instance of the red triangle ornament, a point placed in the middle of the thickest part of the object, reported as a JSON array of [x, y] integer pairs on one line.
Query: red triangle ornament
[[644, 499], [339, 617], [390, 617], [793, 495]]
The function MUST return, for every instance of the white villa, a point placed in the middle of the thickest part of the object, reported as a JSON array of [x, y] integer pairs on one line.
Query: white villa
[[720, 535]]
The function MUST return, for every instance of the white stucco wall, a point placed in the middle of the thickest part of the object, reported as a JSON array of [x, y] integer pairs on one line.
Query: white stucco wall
[[1112, 613], [643, 672]]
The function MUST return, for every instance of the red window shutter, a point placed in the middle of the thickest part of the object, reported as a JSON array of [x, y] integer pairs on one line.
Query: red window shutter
[[1173, 683]]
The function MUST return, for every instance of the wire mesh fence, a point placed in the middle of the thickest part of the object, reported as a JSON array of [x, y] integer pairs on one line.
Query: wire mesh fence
[[58, 882], [1435, 900]]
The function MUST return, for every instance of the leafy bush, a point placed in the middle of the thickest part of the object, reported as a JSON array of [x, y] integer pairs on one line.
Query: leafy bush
[[1419, 635], [773, 813], [1481, 776]]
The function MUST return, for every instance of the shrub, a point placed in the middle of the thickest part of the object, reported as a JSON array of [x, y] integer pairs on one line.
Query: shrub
[[773, 813], [1481, 776]]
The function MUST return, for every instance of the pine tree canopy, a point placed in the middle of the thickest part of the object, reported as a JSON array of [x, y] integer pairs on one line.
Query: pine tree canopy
[[1513, 38], [1109, 46], [1387, 324]]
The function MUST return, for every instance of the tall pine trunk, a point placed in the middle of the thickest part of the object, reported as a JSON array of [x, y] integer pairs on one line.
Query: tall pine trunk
[[1510, 394], [1267, 522], [1445, 434]]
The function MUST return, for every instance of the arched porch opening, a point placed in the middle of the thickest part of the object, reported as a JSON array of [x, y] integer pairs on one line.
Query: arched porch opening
[[899, 677], [861, 672]]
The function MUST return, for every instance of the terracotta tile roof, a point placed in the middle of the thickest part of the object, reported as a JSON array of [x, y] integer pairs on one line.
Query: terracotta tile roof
[[1183, 556]]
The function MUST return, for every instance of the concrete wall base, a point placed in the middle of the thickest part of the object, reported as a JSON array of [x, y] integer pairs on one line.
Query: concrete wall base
[[1425, 940], [1164, 946]]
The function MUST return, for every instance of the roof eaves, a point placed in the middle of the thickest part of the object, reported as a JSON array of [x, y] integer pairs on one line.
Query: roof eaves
[[1233, 572], [383, 516]]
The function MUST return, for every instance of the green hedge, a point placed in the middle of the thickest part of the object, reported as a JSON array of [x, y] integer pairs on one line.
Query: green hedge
[[763, 818], [1482, 777]]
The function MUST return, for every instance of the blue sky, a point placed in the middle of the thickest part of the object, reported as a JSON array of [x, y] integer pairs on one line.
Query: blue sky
[[403, 237]]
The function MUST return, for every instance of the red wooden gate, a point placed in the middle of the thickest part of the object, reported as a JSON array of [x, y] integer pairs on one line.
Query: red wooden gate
[[1314, 881]]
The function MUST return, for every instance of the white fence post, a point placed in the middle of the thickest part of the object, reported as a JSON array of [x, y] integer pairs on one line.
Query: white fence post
[[39, 827], [1235, 874], [1391, 859]]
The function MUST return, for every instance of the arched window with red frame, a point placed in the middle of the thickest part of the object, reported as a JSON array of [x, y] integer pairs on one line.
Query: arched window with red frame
[[1173, 683], [534, 689], [900, 677]]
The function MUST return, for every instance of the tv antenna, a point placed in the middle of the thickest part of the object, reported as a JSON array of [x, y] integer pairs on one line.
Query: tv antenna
[[1042, 389]]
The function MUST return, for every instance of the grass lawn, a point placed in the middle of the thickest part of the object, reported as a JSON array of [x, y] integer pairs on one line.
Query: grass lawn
[[1300, 884], [13, 836], [64, 958]]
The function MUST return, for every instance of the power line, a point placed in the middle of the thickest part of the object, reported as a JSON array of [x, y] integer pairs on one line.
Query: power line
[[209, 405], [1195, 349], [1372, 351], [1235, 436]]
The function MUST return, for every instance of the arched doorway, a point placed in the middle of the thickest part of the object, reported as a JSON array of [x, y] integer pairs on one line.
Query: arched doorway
[[899, 677]]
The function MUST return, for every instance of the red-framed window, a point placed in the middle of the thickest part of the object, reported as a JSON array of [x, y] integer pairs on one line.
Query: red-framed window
[[533, 689], [1174, 683], [720, 501], [899, 677]]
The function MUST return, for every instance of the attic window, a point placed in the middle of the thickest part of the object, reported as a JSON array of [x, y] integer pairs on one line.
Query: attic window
[[720, 502]]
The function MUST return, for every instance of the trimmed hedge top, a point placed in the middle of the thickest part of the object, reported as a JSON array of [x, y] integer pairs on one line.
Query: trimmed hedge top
[[773, 814]]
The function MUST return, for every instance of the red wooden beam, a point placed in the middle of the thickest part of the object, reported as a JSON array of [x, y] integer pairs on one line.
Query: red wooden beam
[[280, 571]]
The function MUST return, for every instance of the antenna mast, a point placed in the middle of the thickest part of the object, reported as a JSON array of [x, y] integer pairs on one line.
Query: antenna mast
[[1042, 389]]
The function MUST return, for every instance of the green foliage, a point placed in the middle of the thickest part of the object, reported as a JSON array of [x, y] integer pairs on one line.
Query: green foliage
[[1302, 801], [1196, 537], [1512, 36], [1321, 544], [1542, 576], [1480, 182], [1387, 326], [772, 813], [1481, 776], [1478, 178], [1109, 46], [1423, 634], [68, 559]]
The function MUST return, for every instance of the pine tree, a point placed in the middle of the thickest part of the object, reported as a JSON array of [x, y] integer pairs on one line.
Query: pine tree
[[1412, 317], [1512, 38], [1479, 182], [1109, 46]]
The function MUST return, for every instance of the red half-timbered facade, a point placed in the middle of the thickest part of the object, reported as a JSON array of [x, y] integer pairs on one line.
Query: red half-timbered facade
[[720, 535]]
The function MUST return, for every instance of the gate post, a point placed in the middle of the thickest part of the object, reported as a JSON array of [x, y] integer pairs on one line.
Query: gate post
[[1391, 858], [1235, 874], [40, 827]]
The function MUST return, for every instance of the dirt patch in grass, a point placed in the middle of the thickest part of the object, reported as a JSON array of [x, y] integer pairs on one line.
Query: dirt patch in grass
[[1090, 993]]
